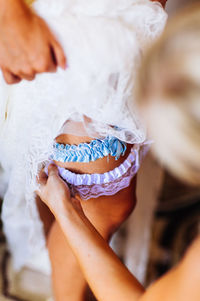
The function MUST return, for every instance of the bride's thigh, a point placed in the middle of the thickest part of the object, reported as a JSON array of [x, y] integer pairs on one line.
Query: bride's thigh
[[46, 216], [107, 213]]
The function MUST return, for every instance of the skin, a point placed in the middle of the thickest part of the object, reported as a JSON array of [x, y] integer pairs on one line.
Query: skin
[[57, 206], [108, 278], [27, 46], [106, 213]]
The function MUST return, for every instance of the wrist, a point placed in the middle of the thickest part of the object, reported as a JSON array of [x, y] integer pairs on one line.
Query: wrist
[[70, 214], [63, 208]]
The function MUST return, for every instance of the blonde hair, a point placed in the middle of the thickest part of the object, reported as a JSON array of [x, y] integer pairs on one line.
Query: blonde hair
[[169, 94]]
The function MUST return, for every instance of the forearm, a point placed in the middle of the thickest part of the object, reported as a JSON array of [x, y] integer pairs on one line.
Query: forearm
[[107, 276]]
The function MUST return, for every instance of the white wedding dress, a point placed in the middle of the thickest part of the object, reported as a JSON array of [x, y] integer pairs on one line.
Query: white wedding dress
[[104, 41]]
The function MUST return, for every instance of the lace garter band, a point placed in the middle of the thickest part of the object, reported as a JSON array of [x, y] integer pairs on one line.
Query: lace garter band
[[95, 185]]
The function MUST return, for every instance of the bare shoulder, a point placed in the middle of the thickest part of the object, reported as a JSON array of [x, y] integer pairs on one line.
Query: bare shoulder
[[182, 282], [191, 261]]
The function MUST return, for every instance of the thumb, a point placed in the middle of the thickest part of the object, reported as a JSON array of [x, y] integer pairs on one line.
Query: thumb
[[41, 180], [52, 170], [58, 54]]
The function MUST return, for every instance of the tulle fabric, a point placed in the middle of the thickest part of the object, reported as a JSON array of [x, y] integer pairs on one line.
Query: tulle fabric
[[104, 41]]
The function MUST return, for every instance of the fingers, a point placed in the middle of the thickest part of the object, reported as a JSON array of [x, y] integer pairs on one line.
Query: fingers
[[17, 76], [51, 57], [9, 77], [48, 63], [42, 177], [41, 180], [45, 61], [52, 65], [59, 55], [27, 76], [53, 173], [29, 72], [52, 170]]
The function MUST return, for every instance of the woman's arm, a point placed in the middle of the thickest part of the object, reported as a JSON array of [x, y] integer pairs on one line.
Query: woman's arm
[[108, 278], [101, 267], [27, 46], [182, 282]]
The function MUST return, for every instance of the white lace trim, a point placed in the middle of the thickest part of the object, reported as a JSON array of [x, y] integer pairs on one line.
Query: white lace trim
[[104, 41]]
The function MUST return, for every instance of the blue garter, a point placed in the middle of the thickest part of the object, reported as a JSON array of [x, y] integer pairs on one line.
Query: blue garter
[[87, 152]]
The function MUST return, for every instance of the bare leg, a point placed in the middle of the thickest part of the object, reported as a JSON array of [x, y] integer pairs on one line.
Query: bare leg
[[67, 279], [106, 213]]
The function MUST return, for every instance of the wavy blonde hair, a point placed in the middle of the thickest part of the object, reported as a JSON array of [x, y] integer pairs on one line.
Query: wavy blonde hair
[[169, 94]]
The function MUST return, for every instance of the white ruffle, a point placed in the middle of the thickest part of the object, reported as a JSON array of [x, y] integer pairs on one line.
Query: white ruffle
[[103, 41]]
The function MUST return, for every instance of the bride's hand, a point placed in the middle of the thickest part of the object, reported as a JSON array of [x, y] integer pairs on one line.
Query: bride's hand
[[27, 46], [55, 193]]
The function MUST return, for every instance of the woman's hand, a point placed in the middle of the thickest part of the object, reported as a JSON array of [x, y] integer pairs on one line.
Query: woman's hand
[[55, 193], [27, 46], [104, 272]]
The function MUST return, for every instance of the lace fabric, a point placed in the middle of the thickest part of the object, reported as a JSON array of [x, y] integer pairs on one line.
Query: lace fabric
[[96, 190], [104, 41], [95, 185]]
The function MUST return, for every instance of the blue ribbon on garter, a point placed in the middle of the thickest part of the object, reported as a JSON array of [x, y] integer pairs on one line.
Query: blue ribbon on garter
[[87, 152]]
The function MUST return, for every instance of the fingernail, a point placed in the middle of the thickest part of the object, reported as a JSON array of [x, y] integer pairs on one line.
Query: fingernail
[[65, 66]]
